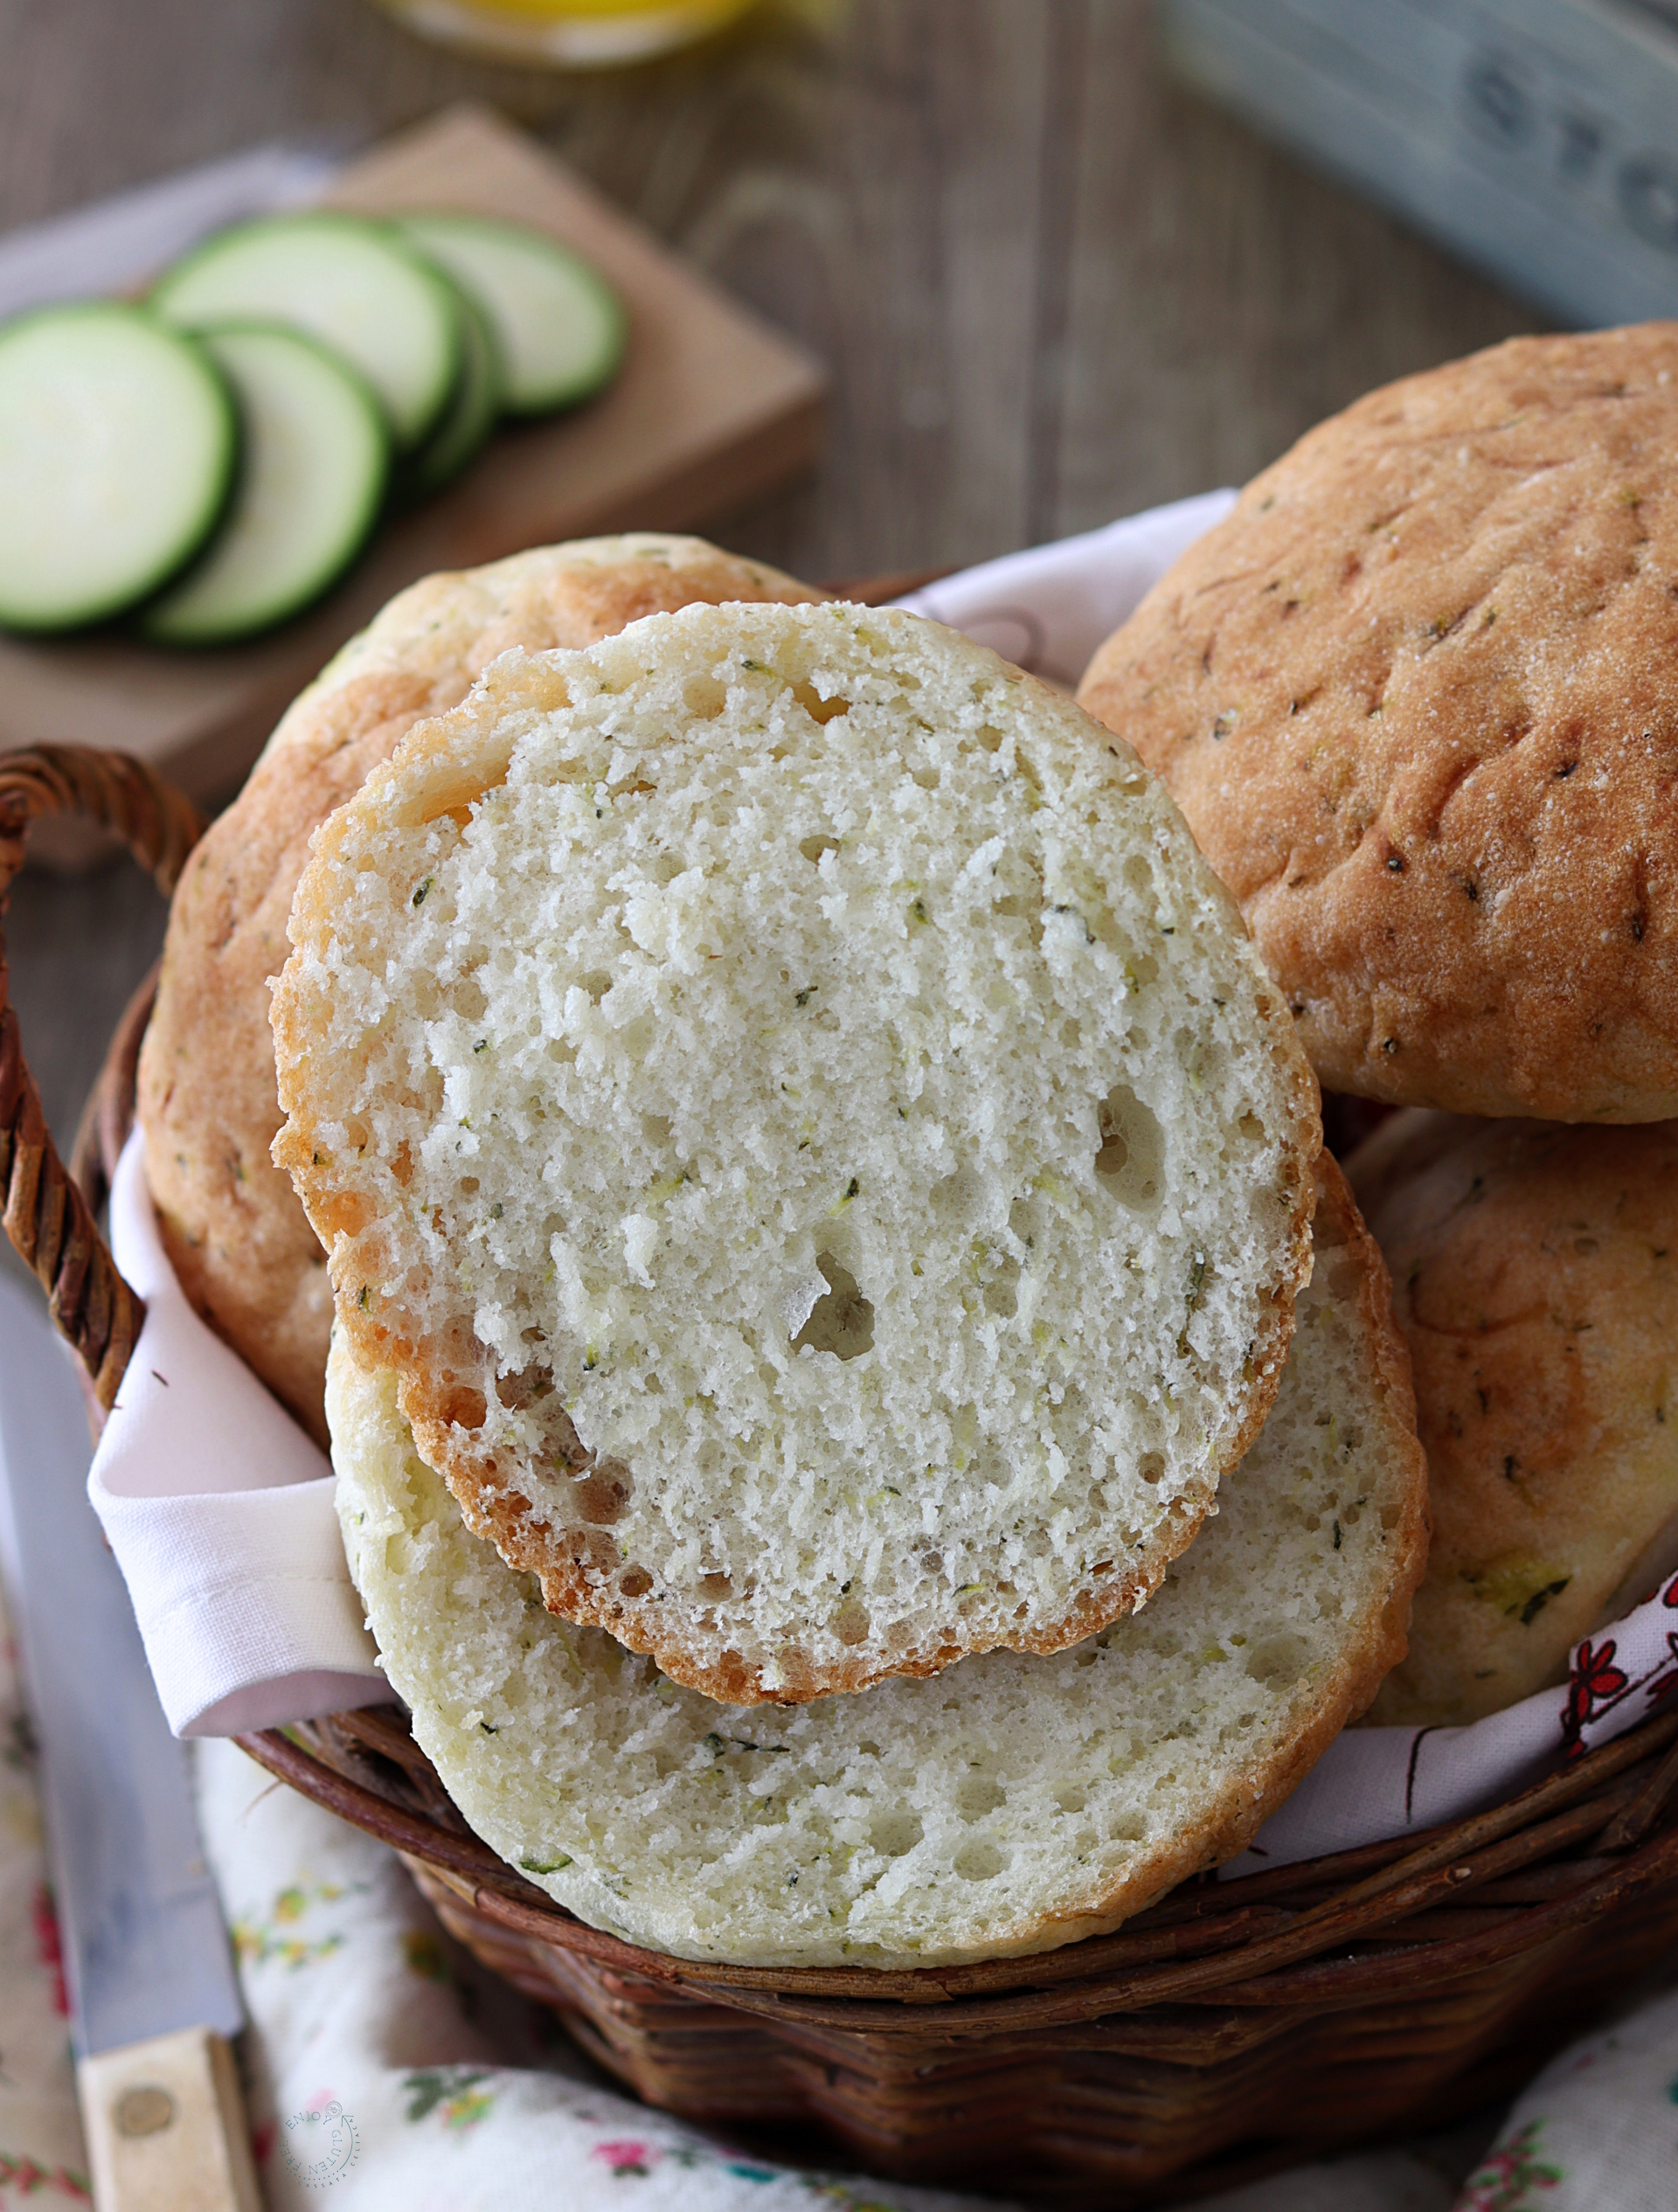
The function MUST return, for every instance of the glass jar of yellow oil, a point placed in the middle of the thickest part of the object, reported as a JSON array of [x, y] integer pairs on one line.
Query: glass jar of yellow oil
[[566, 34]]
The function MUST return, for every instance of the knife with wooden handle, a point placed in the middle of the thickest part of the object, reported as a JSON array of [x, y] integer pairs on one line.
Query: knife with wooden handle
[[153, 1998]]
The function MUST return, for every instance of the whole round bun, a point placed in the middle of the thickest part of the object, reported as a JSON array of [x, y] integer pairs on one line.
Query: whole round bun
[[785, 1093], [1417, 696], [1012, 1805], [1534, 1271], [235, 1234]]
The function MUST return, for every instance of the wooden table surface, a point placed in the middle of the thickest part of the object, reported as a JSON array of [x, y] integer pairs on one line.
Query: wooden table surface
[[1051, 287]]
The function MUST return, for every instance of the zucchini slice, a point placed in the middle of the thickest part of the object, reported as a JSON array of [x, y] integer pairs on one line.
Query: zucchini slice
[[356, 286], [316, 460], [117, 443], [560, 326], [468, 418]]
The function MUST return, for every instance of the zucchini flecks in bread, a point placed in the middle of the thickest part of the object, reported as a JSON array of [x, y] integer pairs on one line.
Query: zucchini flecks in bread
[[1012, 1805], [314, 457], [788, 1093], [117, 445]]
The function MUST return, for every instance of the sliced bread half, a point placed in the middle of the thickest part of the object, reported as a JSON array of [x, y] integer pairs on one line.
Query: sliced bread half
[[1012, 1805], [786, 1095]]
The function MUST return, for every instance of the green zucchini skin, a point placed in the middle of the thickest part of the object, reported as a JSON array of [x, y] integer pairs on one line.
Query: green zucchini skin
[[314, 465], [118, 443], [356, 286], [561, 327], [469, 418]]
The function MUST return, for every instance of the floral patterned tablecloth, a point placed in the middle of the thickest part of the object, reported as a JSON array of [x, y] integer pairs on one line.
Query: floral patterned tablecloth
[[386, 2071]]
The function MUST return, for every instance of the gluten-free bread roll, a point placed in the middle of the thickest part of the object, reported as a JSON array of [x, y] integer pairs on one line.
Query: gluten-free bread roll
[[1417, 696], [1535, 1272], [786, 1096]]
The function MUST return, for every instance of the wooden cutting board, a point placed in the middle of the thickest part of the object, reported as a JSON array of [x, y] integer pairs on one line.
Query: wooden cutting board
[[710, 409]]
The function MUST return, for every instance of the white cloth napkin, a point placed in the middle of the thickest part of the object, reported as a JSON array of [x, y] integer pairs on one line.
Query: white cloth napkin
[[220, 1509], [1048, 609]]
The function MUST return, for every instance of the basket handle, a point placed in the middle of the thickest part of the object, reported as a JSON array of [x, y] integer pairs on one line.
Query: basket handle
[[47, 1216]]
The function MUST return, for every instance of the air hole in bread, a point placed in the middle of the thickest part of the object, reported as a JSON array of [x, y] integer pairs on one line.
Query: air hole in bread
[[635, 1582], [601, 1494], [815, 706], [705, 696], [979, 1861], [842, 1321], [1020, 907], [463, 1407], [958, 1196], [526, 1387], [894, 1832], [850, 1623], [1150, 1467], [1279, 1661], [1025, 1218], [451, 787], [1001, 1292], [1133, 1148], [978, 1795], [814, 847]]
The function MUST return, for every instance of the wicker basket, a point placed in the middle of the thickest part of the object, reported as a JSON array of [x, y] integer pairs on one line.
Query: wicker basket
[[1232, 2028]]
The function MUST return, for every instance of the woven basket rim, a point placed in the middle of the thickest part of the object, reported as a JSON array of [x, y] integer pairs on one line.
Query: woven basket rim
[[1255, 1939]]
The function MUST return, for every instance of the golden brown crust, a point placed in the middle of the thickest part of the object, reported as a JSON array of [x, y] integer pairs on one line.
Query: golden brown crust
[[1536, 1273], [234, 1231], [1418, 698]]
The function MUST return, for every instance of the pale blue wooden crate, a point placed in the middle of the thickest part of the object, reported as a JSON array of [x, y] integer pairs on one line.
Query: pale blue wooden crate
[[1537, 138]]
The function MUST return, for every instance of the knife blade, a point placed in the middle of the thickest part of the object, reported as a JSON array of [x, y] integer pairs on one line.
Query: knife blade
[[150, 1979]]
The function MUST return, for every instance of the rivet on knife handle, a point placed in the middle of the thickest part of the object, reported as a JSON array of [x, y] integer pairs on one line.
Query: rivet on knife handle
[[165, 2127]]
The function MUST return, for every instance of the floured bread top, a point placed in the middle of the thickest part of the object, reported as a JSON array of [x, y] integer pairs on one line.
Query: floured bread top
[[788, 1099], [1012, 1805], [1417, 695]]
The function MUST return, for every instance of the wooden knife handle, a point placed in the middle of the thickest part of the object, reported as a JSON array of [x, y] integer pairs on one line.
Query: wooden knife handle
[[165, 2127]]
